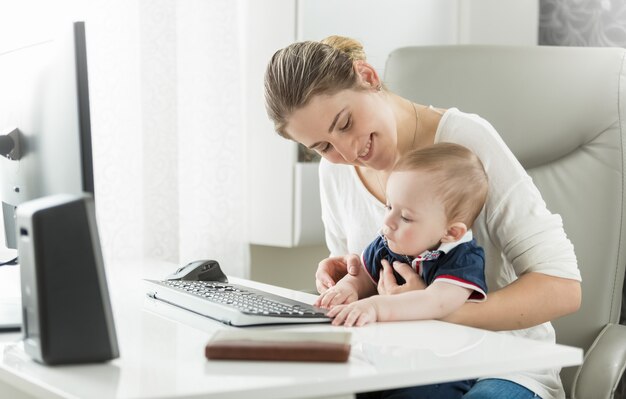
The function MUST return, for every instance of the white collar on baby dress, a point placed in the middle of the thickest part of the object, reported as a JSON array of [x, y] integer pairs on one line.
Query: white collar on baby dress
[[443, 249]]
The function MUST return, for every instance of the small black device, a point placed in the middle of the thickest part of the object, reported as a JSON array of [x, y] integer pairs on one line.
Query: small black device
[[200, 270], [67, 314]]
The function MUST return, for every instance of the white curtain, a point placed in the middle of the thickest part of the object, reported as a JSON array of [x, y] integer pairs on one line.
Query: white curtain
[[168, 138], [166, 114]]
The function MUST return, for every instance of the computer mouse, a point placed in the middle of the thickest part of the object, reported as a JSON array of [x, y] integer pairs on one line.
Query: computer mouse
[[200, 270]]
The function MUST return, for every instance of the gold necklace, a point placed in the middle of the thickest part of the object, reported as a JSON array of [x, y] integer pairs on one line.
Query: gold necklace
[[414, 130], [380, 183]]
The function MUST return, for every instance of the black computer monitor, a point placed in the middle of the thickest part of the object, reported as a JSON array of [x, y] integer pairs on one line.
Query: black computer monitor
[[45, 133]]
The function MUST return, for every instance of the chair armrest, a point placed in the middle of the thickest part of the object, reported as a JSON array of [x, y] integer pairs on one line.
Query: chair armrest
[[603, 366]]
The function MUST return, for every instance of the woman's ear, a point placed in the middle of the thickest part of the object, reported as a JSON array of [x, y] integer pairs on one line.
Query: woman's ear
[[455, 232], [368, 75]]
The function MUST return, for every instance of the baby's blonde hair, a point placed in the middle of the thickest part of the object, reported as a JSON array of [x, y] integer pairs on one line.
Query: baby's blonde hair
[[302, 70], [460, 181]]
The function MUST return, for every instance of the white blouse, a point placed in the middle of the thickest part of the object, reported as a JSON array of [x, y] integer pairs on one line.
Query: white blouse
[[515, 228]]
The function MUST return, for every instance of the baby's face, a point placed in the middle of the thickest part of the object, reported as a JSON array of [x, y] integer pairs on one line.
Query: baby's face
[[415, 220]]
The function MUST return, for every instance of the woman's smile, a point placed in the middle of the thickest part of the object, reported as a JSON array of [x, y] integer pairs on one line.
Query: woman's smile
[[366, 152]]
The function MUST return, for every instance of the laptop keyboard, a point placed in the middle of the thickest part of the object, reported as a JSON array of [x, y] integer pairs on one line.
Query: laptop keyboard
[[234, 304], [246, 300]]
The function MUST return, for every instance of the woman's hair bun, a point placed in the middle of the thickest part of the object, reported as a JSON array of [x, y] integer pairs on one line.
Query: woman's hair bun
[[351, 47]]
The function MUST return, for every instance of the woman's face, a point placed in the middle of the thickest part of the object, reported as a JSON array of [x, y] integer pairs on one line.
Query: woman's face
[[354, 127]]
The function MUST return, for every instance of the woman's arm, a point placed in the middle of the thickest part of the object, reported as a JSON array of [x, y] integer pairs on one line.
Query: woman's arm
[[532, 299], [520, 235]]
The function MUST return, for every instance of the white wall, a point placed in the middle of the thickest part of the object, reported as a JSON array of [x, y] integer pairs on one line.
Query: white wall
[[498, 22], [270, 25], [380, 26]]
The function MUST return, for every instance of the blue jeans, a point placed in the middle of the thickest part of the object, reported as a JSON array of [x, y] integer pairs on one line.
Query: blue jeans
[[490, 388], [448, 390], [494, 388]]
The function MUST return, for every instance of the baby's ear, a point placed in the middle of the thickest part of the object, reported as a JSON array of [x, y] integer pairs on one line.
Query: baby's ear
[[455, 232]]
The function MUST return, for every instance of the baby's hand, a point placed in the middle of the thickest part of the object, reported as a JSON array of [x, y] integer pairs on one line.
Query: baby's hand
[[337, 295], [356, 314], [387, 283]]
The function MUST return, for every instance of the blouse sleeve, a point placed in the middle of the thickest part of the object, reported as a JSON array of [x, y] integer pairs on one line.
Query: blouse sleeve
[[531, 237], [335, 235]]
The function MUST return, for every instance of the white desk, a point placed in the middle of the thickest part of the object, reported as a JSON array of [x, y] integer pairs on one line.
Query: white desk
[[162, 355]]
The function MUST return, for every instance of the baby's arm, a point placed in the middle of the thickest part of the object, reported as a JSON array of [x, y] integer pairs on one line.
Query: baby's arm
[[347, 290], [438, 300]]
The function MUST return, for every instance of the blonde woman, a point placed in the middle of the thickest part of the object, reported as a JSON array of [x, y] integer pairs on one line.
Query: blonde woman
[[326, 96]]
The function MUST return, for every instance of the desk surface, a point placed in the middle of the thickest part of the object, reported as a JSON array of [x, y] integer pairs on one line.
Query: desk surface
[[162, 354]]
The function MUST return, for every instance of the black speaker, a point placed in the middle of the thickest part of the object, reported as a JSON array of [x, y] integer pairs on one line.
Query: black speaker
[[67, 314]]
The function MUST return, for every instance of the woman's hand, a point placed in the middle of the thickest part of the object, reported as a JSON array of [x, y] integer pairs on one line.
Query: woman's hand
[[331, 270], [388, 285]]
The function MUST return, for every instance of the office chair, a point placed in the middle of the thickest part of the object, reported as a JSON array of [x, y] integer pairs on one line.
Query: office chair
[[560, 110]]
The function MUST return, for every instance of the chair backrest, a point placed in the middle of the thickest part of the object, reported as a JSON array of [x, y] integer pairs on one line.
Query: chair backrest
[[560, 110]]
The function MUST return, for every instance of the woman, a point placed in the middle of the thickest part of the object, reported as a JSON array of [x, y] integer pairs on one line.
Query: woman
[[325, 96]]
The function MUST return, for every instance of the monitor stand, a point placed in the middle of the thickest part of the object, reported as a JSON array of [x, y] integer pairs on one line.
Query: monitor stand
[[10, 298]]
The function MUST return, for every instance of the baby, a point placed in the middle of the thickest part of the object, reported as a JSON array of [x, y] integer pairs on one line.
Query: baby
[[434, 194]]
